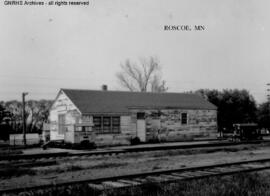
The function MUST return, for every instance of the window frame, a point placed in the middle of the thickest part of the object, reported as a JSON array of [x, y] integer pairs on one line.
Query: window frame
[[106, 124], [112, 128], [100, 124], [184, 120]]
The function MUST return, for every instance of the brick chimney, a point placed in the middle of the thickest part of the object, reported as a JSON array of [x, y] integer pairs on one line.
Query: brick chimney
[[104, 87]]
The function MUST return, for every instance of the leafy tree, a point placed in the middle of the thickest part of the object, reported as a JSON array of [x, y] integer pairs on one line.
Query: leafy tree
[[234, 106], [264, 115], [237, 106], [36, 114], [15, 108], [145, 76], [2, 109], [5, 127]]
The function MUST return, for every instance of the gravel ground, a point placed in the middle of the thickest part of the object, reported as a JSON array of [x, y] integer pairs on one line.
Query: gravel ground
[[76, 168]]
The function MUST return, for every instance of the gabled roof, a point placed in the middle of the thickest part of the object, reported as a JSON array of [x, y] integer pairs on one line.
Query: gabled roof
[[93, 101]]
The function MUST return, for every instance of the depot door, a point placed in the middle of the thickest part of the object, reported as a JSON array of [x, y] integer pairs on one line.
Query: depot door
[[141, 133]]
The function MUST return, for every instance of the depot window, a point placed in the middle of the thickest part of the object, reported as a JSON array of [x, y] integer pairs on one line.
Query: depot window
[[83, 128], [61, 124], [184, 118], [106, 124]]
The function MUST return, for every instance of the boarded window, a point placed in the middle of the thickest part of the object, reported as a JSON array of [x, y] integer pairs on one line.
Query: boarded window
[[184, 118], [106, 124], [61, 123]]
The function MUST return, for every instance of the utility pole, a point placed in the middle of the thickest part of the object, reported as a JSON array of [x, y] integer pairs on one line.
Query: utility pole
[[268, 95], [23, 117], [268, 101]]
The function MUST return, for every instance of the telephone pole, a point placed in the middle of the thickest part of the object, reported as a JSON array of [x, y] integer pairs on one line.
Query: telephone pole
[[268, 95], [23, 117], [268, 102]]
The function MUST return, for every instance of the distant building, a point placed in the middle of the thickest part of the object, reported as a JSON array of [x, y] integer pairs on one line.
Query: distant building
[[114, 117]]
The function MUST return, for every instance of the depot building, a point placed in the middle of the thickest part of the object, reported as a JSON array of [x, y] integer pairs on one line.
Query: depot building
[[115, 117]]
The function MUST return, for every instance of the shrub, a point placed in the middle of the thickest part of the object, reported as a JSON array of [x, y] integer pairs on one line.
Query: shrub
[[135, 141], [87, 145]]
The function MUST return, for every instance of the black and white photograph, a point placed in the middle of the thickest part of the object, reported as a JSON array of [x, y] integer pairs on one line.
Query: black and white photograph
[[132, 97]]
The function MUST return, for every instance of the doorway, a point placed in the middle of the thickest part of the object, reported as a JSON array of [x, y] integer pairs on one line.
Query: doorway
[[141, 133]]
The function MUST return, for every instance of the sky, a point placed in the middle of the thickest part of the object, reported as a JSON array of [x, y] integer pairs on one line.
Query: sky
[[45, 48]]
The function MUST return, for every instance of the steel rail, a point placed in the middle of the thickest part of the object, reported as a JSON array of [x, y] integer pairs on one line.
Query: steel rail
[[124, 150], [204, 171]]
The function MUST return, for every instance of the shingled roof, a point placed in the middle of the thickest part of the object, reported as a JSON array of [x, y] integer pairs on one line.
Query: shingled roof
[[93, 101]]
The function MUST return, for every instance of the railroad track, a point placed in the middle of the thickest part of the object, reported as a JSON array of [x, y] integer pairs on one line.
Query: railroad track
[[121, 151], [163, 176]]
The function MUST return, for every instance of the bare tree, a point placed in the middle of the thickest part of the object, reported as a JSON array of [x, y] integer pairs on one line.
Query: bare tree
[[145, 76]]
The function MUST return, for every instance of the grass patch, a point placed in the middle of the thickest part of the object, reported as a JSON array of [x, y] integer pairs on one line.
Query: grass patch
[[72, 167], [7, 152], [156, 167], [19, 169], [15, 171], [58, 170], [201, 151], [107, 165]]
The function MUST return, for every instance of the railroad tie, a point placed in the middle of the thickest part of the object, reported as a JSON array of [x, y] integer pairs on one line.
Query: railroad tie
[[98, 187], [189, 174], [231, 169], [140, 180], [206, 172], [155, 179], [178, 175], [236, 167], [203, 173], [216, 170], [114, 184], [169, 177], [184, 174], [133, 183], [252, 165]]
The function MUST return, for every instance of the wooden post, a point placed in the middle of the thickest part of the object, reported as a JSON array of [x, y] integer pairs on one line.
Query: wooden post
[[23, 118]]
